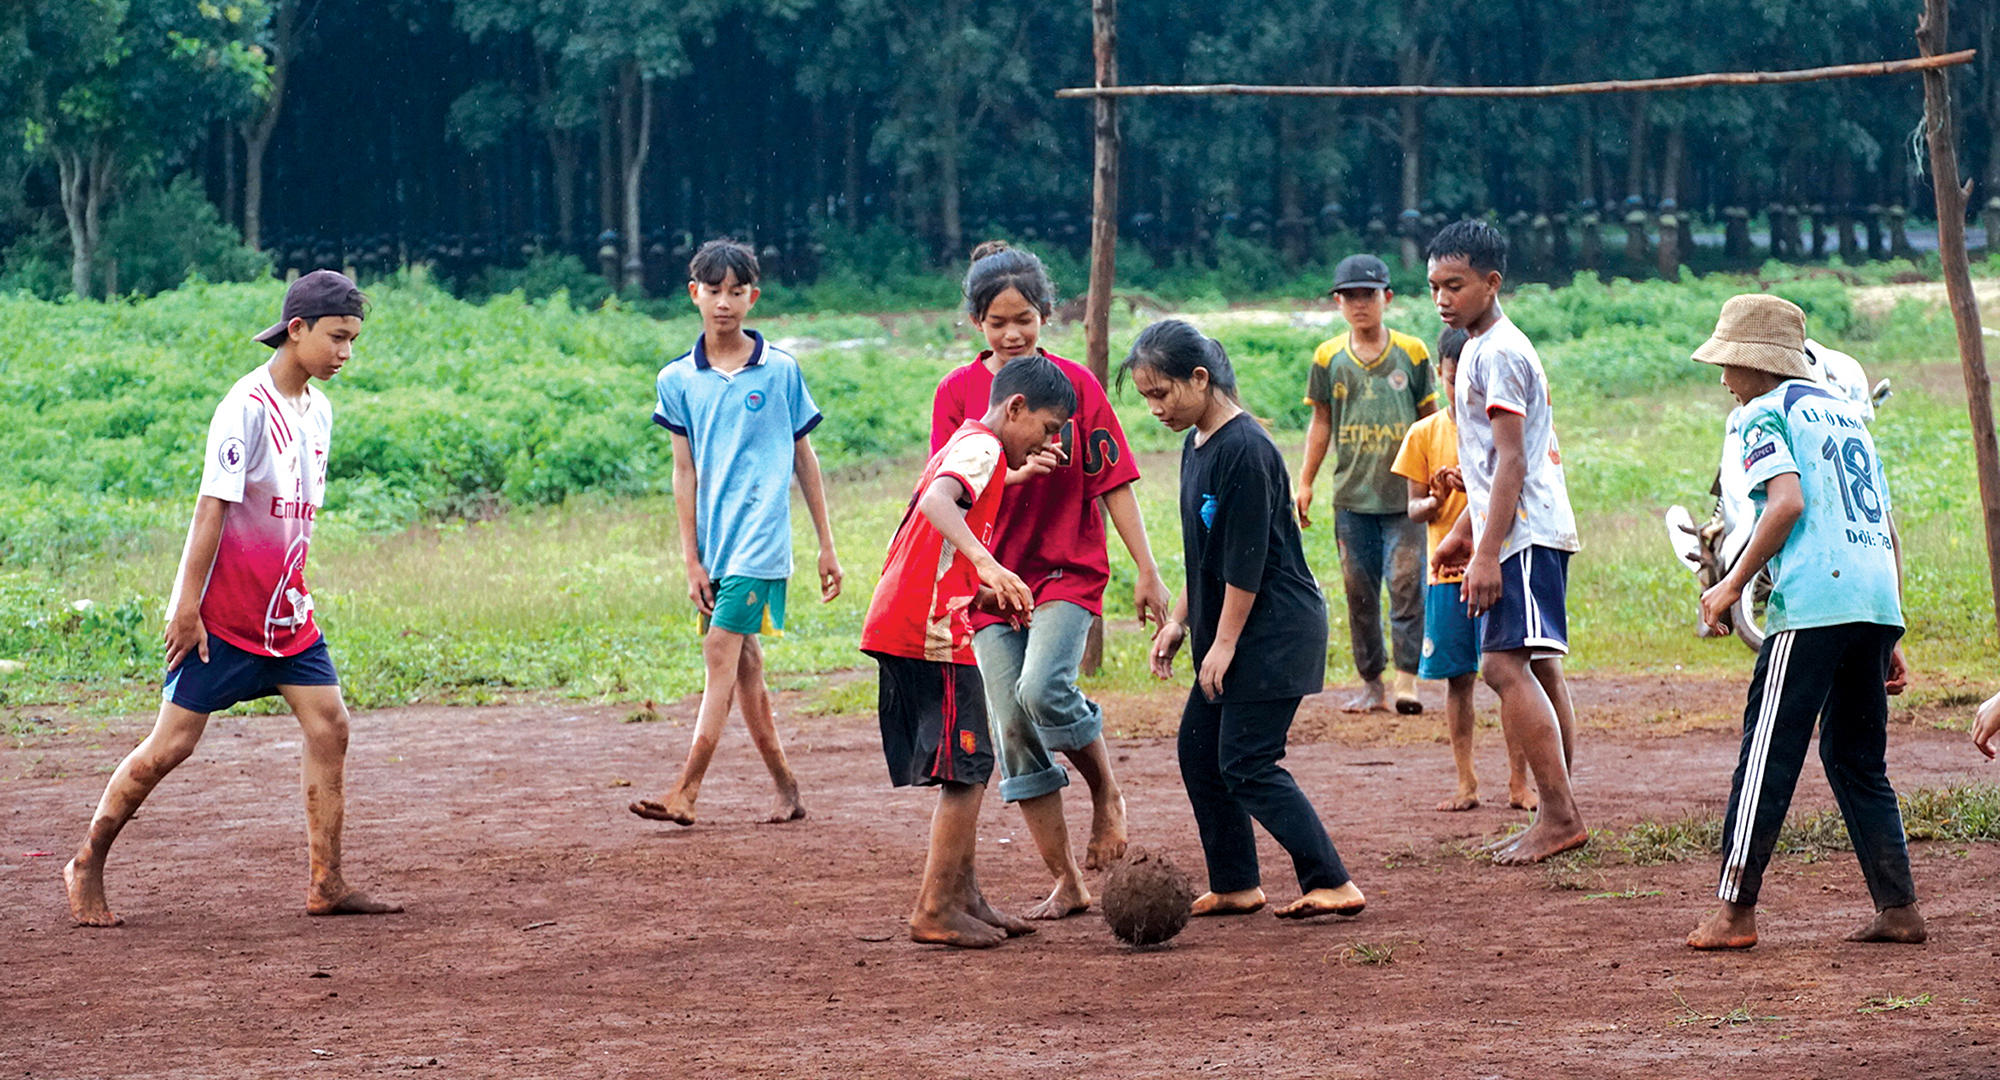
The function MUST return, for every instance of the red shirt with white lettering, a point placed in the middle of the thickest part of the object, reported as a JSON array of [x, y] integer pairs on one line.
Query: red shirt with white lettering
[[1050, 531], [920, 606], [267, 459]]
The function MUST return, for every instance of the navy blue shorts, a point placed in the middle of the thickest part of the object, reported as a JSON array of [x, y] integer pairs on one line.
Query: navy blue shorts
[[234, 675], [1531, 614]]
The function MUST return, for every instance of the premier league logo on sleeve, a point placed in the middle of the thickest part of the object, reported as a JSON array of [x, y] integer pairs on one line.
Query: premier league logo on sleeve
[[230, 455]]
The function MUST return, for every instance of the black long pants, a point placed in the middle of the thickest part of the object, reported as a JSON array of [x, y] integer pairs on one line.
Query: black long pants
[[1229, 764], [1832, 676]]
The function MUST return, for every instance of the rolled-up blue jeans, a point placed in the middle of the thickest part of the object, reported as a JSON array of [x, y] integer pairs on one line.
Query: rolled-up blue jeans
[[1032, 700]]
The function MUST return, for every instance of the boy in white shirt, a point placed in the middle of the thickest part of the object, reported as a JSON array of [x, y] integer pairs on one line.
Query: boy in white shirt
[[240, 625]]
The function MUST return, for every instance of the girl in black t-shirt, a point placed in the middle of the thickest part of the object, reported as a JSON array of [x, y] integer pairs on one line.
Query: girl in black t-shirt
[[1248, 594]]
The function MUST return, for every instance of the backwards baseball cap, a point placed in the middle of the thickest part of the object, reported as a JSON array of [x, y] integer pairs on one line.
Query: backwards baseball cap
[[322, 292], [1360, 272]]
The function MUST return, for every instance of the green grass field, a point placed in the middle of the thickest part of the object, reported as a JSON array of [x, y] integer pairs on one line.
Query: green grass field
[[500, 523]]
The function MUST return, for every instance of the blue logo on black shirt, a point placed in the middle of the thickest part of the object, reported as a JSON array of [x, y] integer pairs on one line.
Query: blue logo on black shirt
[[1208, 511]]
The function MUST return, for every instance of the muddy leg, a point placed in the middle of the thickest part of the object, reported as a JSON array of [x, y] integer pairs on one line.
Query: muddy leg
[[755, 701], [720, 652], [323, 720], [943, 915], [1044, 815], [1459, 723], [175, 733], [1530, 718], [1107, 805], [1549, 672]]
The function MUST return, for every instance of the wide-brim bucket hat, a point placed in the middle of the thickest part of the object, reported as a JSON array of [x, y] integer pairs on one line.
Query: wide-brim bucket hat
[[1766, 333]]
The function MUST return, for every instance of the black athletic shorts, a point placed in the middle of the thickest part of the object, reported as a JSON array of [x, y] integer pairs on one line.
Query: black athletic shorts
[[933, 716]]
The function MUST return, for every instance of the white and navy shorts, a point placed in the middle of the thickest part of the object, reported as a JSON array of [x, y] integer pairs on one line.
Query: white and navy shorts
[[1531, 613]]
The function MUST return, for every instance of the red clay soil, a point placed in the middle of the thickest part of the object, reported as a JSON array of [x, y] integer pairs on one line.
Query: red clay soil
[[550, 933]]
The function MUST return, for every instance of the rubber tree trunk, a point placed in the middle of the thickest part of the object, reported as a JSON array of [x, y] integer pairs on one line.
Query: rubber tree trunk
[[84, 177], [1103, 234], [257, 131], [635, 92]]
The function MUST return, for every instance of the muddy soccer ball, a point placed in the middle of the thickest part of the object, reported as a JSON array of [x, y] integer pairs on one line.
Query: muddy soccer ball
[[1146, 898]]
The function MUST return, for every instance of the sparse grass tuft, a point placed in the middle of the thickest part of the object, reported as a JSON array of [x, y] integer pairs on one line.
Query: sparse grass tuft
[[1375, 953], [1735, 1017], [1892, 1003]]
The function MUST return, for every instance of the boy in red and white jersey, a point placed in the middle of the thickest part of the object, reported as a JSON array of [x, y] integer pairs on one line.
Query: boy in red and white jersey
[[240, 624], [932, 704]]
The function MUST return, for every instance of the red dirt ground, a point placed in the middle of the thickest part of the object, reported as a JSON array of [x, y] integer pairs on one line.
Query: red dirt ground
[[549, 933]]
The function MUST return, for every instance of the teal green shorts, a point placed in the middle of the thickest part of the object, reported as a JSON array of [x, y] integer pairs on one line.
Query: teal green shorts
[[747, 605]]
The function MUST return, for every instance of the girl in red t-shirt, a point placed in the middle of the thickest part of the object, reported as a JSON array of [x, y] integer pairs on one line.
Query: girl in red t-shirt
[[1051, 532]]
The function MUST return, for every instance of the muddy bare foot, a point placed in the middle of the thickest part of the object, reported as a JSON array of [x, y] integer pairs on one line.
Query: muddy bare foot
[[348, 902], [1346, 900], [1733, 926], [956, 929], [1373, 698], [678, 811], [1069, 898], [1897, 925], [992, 916], [1107, 833], [1540, 842], [1241, 902], [1464, 800], [788, 809], [86, 896]]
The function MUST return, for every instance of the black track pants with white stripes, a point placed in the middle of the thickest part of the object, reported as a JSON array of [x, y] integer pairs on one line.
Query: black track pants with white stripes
[[1830, 676]]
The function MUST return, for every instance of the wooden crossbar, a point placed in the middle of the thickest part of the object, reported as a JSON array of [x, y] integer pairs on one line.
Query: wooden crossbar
[[1608, 86]]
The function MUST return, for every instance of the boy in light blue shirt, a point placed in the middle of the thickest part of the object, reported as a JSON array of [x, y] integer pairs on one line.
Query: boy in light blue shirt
[[1834, 618], [740, 415]]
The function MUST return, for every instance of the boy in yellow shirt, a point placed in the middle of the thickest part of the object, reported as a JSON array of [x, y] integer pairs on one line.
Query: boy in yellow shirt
[[1429, 462]]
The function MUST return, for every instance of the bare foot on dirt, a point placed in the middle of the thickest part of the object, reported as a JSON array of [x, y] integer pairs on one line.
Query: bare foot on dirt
[[789, 808], [1897, 925], [1241, 902], [347, 902], [678, 811], [992, 916], [1069, 898], [1346, 900], [1464, 800], [1523, 798], [86, 896], [1373, 698], [1733, 926], [957, 929], [1538, 843], [1107, 833]]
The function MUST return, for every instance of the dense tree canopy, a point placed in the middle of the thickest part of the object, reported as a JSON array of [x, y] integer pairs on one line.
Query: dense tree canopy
[[474, 131]]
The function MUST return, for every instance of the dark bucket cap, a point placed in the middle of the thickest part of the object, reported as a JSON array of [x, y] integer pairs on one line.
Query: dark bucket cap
[[322, 292]]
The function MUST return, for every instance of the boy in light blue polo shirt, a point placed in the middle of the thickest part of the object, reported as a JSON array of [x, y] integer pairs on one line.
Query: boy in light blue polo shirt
[[740, 415], [1835, 615]]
